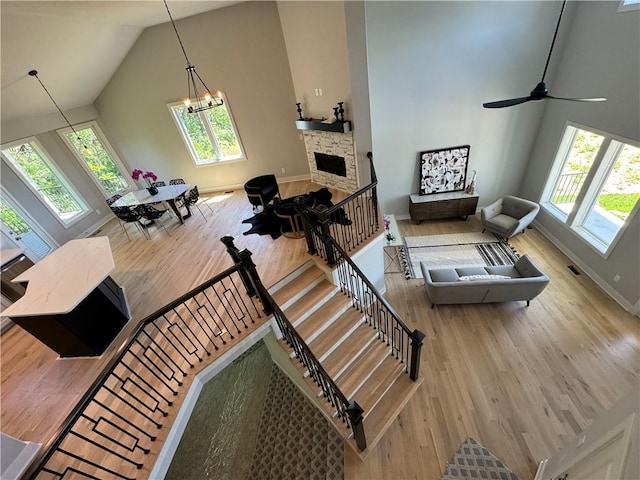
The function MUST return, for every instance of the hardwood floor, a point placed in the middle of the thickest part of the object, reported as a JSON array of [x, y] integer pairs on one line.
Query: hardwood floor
[[520, 380]]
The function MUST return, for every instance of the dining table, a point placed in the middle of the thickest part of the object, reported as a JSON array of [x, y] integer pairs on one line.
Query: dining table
[[167, 193]]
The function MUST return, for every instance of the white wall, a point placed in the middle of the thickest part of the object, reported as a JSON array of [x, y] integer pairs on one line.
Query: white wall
[[315, 36], [601, 59], [239, 50], [432, 65]]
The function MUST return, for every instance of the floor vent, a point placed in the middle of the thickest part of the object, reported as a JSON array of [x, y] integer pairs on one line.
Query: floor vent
[[573, 269]]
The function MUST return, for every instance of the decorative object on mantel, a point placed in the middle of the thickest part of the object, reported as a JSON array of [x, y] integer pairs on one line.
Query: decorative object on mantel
[[443, 170], [336, 124], [201, 103], [34, 73], [471, 188], [148, 176]]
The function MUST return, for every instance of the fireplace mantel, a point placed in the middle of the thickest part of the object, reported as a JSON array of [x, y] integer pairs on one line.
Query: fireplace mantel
[[318, 124]]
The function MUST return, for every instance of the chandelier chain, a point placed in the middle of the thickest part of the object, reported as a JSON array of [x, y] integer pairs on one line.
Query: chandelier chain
[[34, 73]]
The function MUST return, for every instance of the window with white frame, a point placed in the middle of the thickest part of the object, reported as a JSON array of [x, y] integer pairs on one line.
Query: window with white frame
[[629, 5], [594, 186], [210, 135], [29, 160], [92, 149]]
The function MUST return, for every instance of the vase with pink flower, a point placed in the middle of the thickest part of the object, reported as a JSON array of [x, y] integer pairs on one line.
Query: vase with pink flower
[[148, 176], [387, 230]]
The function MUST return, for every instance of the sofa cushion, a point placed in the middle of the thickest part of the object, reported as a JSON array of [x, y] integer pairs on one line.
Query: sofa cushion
[[471, 278], [508, 270], [442, 275], [465, 271]]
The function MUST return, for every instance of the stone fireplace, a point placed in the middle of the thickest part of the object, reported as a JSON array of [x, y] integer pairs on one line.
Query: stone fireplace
[[332, 159]]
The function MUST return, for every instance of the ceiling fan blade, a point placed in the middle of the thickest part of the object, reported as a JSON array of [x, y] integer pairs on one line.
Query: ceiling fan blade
[[579, 99], [507, 103]]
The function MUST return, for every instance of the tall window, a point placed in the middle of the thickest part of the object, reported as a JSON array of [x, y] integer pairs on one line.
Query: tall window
[[98, 158], [595, 185], [29, 161], [211, 135]]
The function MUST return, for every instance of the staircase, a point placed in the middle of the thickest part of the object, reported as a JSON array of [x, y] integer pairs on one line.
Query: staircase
[[348, 349]]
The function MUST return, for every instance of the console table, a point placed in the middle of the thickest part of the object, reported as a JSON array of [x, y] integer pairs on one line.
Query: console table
[[442, 205], [391, 247], [71, 304]]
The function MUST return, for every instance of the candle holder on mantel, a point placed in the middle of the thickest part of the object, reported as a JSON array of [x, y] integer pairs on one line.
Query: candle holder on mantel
[[339, 125]]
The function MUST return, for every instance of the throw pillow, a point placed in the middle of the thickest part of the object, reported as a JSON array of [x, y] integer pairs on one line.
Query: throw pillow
[[465, 278]]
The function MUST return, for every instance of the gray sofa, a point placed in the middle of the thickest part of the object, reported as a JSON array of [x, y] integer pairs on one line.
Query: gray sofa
[[524, 281]]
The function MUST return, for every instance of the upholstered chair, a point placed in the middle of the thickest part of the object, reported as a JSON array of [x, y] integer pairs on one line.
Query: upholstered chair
[[508, 216], [261, 190]]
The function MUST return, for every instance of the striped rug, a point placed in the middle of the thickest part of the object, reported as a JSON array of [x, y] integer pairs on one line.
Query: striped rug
[[455, 250]]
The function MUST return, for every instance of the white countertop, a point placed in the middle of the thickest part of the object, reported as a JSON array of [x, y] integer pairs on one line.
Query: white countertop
[[60, 281], [9, 254]]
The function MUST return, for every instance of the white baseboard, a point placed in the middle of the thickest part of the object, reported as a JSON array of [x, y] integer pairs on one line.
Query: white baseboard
[[623, 302], [240, 186]]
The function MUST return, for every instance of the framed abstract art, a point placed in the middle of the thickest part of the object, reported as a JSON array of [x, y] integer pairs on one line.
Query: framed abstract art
[[443, 170]]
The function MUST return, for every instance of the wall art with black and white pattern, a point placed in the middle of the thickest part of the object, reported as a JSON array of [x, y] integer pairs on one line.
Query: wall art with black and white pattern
[[443, 170]]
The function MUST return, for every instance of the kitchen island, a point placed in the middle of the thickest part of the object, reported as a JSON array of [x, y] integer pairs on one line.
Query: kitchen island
[[71, 304]]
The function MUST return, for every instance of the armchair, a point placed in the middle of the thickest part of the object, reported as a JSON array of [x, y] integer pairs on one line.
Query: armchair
[[508, 216], [261, 190]]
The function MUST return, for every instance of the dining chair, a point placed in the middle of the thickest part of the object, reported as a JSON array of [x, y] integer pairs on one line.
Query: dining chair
[[159, 183], [193, 199], [128, 215], [180, 201], [111, 200], [152, 214]]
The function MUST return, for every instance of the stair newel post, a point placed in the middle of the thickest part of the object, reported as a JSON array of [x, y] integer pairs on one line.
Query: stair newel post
[[256, 284], [416, 346], [374, 190], [323, 221], [355, 412], [234, 253]]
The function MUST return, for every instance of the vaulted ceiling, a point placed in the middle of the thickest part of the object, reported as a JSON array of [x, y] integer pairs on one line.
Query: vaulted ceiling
[[76, 46]]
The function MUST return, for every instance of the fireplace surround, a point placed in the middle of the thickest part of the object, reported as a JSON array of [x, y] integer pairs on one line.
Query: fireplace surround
[[331, 146]]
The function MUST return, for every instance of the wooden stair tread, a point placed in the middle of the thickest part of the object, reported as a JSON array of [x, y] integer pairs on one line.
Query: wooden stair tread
[[348, 350], [290, 289], [380, 418], [380, 381], [335, 333], [309, 301], [331, 310], [362, 368]]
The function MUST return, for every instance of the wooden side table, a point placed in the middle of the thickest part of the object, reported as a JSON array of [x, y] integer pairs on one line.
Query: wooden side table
[[392, 247]]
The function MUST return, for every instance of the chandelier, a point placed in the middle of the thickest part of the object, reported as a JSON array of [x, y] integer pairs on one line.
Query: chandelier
[[34, 73], [200, 103]]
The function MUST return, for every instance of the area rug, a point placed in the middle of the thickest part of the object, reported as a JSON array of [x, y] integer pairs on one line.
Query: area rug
[[472, 460], [455, 250], [268, 223]]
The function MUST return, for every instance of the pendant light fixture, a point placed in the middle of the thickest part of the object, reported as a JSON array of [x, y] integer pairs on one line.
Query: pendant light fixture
[[200, 103], [34, 73]]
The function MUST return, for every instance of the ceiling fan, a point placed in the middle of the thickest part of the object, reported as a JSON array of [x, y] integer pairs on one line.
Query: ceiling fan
[[540, 92]]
